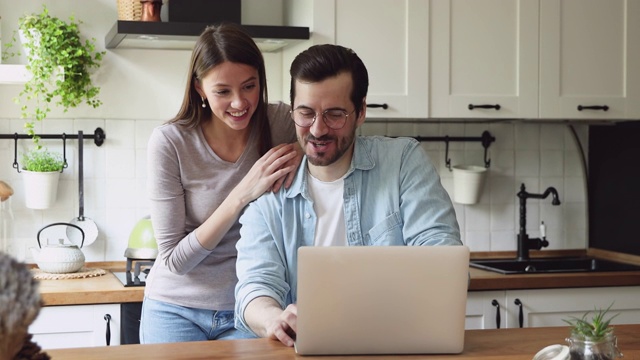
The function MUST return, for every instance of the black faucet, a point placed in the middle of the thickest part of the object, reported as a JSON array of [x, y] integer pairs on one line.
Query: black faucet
[[524, 243]]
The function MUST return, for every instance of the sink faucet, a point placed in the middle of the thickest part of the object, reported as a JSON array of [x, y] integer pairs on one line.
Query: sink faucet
[[524, 242]]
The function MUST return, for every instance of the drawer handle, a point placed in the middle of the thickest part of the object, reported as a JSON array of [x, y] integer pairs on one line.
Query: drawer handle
[[594, 107], [495, 303], [496, 106], [383, 106], [107, 318], [520, 314]]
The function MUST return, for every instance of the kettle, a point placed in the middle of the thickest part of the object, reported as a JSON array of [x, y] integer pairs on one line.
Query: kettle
[[142, 241], [59, 258]]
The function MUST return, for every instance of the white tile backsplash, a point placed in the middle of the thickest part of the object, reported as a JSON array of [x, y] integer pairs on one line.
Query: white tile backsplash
[[115, 182], [538, 155]]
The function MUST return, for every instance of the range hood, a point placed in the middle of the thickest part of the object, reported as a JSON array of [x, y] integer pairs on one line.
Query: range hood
[[183, 35]]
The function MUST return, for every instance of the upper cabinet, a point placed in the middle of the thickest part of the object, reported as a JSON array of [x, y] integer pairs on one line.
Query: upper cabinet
[[484, 58], [393, 45], [590, 59], [391, 38], [548, 59]]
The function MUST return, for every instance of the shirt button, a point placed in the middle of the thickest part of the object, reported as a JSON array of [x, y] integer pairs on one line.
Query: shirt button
[[307, 215]]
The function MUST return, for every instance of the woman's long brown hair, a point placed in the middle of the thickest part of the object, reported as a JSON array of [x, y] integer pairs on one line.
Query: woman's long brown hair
[[217, 44]]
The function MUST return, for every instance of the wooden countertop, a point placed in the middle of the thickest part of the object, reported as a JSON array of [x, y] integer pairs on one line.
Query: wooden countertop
[[108, 289], [512, 344], [104, 289]]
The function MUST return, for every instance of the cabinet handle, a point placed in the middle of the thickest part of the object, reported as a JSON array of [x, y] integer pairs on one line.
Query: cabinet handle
[[520, 314], [107, 317], [384, 106], [594, 107], [495, 303], [496, 106]]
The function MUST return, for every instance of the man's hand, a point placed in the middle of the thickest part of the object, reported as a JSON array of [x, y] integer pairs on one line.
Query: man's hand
[[265, 317], [284, 327]]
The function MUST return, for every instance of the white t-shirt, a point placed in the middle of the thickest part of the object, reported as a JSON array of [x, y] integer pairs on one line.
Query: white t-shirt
[[328, 205]]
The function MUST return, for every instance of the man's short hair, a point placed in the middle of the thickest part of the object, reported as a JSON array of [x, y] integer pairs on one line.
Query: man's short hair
[[321, 62]]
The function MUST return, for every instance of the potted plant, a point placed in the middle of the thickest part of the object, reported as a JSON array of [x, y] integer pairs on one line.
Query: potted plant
[[593, 338], [41, 170], [60, 64]]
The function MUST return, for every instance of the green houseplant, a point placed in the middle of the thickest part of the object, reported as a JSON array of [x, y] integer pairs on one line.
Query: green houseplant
[[592, 338], [60, 64], [42, 160], [41, 170]]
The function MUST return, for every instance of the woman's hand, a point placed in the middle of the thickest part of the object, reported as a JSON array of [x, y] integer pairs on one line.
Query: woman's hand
[[288, 178], [270, 168]]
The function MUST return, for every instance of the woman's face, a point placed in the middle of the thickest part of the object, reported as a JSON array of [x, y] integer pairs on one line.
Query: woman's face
[[232, 91]]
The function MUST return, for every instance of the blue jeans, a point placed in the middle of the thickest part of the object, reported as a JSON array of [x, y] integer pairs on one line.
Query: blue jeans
[[162, 322]]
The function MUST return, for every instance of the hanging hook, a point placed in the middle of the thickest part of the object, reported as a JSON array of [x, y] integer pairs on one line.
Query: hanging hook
[[487, 139], [64, 152], [15, 153], [446, 153]]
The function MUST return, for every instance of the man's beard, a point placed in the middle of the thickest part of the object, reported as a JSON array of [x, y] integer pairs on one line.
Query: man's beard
[[324, 158]]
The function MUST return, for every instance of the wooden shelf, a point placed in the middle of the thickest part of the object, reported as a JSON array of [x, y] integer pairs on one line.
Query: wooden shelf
[[14, 74]]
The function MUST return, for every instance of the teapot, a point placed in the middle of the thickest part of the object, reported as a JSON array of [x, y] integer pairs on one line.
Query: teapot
[[59, 258]]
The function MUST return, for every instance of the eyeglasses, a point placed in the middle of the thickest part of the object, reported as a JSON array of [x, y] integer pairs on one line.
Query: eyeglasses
[[333, 118]]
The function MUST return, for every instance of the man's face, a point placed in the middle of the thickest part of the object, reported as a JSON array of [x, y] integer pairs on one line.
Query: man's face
[[322, 145]]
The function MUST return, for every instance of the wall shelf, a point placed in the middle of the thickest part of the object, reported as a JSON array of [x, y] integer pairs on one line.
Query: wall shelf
[[14, 74]]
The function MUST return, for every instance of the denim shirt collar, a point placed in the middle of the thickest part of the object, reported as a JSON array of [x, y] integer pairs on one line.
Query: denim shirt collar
[[362, 160]]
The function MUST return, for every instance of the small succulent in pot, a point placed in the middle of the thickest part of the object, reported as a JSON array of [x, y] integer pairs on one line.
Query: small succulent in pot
[[593, 338]]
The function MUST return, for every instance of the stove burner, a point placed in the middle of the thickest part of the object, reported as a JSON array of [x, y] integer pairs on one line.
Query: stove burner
[[136, 272]]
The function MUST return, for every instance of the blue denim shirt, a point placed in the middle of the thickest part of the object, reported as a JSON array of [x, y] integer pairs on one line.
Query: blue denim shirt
[[392, 196]]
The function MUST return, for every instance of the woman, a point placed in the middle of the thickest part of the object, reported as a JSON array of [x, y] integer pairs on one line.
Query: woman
[[204, 166]]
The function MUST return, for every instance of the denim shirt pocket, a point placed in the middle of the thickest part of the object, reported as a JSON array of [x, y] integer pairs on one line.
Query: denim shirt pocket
[[387, 232]]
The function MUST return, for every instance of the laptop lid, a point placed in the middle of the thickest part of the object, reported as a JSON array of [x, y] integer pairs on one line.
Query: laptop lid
[[381, 299]]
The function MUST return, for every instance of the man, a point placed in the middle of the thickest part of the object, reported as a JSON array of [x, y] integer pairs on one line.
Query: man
[[355, 191]]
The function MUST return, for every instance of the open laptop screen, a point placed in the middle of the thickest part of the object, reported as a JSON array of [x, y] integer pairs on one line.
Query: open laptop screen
[[381, 300]]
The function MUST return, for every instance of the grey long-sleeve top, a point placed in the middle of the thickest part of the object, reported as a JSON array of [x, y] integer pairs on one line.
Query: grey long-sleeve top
[[186, 183]]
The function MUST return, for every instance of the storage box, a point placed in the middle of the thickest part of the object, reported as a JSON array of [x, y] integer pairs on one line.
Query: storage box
[[205, 11]]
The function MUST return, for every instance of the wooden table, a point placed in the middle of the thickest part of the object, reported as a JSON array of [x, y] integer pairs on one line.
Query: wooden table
[[502, 344]]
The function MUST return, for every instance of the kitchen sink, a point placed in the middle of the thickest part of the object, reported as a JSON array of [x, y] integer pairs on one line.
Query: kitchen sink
[[551, 265]]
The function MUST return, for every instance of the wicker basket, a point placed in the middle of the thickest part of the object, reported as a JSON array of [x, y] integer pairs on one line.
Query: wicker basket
[[129, 10]]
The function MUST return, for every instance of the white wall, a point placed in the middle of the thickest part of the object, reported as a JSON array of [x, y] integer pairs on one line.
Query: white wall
[[538, 155], [143, 88]]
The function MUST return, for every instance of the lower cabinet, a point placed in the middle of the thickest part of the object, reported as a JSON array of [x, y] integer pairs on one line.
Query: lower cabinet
[[549, 307], [75, 326]]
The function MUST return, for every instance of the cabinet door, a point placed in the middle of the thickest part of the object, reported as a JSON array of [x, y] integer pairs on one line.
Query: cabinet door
[[75, 326], [484, 53], [485, 310], [391, 38], [589, 56], [549, 307]]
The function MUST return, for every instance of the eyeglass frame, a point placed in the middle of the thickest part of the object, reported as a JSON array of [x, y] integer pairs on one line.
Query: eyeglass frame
[[324, 117]]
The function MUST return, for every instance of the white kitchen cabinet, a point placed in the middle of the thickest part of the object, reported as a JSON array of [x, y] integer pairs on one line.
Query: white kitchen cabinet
[[392, 39], [393, 44], [485, 310], [549, 307], [589, 56], [484, 53], [75, 326]]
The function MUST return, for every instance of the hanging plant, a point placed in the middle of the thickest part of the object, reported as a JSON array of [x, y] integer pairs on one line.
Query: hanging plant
[[60, 64]]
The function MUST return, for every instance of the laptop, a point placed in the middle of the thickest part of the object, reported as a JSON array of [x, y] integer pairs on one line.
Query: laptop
[[381, 300]]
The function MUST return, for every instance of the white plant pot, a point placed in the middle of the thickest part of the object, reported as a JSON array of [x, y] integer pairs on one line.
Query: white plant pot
[[41, 188], [468, 183]]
